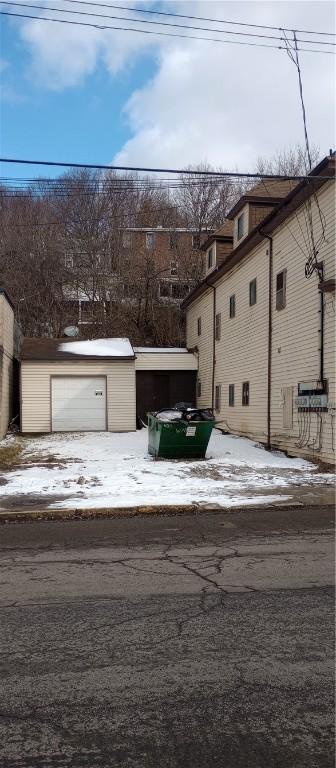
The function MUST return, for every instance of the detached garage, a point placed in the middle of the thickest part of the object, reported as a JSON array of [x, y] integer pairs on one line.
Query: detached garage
[[104, 384], [73, 386]]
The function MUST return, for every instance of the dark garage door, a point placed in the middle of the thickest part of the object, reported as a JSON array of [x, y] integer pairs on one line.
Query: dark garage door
[[155, 390]]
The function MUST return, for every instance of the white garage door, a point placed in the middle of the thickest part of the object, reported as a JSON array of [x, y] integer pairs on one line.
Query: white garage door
[[78, 403]]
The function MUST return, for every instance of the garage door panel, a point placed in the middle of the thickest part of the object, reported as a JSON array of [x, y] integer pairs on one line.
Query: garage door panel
[[78, 403]]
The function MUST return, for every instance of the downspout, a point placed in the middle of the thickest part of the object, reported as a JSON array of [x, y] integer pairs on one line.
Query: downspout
[[269, 340], [321, 275], [213, 287]]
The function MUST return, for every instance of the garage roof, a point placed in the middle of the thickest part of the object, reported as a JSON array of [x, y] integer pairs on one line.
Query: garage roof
[[95, 349]]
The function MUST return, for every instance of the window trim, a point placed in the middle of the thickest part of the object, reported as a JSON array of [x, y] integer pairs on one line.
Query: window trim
[[241, 219], [232, 306], [210, 253], [152, 236], [231, 395], [253, 282], [195, 242], [281, 303], [246, 393]]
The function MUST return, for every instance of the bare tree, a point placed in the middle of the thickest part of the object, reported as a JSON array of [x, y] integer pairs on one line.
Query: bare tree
[[291, 161]]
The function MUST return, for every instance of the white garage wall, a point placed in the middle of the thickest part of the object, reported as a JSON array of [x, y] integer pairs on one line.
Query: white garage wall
[[166, 361], [36, 392]]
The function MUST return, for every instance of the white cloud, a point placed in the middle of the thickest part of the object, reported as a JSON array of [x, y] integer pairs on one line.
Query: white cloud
[[227, 104], [223, 103], [63, 55]]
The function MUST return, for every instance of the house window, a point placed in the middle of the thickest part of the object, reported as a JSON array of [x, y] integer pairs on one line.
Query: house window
[[199, 389], [280, 294], [127, 239], [231, 395], [195, 242], [199, 326], [218, 326], [179, 290], [253, 292], [69, 261], [240, 226], [218, 397], [210, 258], [150, 240], [173, 268], [165, 290], [173, 241], [233, 305], [246, 393]]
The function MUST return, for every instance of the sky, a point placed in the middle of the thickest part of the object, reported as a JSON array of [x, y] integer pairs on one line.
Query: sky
[[79, 94]]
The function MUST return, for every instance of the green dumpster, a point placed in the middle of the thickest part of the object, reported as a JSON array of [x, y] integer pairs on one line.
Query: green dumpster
[[184, 435]]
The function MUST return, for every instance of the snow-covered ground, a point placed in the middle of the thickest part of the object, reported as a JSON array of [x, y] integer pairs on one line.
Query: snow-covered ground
[[114, 470]]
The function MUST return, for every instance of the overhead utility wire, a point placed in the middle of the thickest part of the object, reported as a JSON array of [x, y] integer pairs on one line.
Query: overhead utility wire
[[152, 32], [180, 171], [157, 23], [197, 18]]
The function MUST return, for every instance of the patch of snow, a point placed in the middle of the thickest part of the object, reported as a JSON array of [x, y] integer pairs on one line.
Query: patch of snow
[[115, 470], [99, 348]]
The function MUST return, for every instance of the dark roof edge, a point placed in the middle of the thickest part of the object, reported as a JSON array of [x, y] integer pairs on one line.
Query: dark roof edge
[[266, 200], [5, 294], [213, 238], [295, 198]]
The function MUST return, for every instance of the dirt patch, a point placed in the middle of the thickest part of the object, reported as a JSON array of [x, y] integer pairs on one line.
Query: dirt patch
[[10, 456]]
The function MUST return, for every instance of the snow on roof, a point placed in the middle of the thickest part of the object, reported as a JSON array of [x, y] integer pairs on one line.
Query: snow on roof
[[99, 348], [160, 350]]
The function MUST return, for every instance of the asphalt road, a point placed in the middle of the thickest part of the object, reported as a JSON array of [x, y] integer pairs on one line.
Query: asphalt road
[[168, 642]]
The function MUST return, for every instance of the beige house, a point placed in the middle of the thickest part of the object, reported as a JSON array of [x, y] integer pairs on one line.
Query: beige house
[[263, 319], [69, 385], [6, 361]]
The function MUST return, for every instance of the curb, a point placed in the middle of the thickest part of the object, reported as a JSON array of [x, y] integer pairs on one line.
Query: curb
[[54, 515]]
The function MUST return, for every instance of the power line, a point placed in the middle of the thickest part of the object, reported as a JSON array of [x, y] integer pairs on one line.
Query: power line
[[179, 171], [198, 18], [159, 23], [151, 32]]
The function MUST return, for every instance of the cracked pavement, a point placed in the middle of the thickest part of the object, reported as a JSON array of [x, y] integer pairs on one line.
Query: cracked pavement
[[174, 642]]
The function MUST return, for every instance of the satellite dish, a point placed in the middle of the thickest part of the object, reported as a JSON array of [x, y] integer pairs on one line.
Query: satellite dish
[[71, 330]]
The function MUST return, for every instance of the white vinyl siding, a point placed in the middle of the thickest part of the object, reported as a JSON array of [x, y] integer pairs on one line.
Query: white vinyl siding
[[6, 373], [169, 361], [241, 353], [78, 403], [296, 338], [36, 392], [202, 307]]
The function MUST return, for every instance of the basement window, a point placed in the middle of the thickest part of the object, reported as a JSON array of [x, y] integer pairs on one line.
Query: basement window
[[218, 326], [218, 397], [280, 293], [246, 393], [253, 292], [231, 395]]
